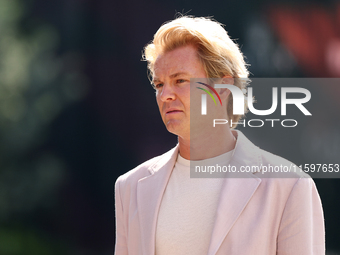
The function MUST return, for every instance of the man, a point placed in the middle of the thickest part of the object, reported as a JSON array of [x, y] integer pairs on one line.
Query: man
[[161, 210]]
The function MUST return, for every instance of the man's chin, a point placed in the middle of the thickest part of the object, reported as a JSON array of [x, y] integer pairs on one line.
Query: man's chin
[[176, 127]]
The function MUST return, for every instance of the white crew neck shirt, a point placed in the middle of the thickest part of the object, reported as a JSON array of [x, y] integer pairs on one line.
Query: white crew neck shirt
[[187, 212]]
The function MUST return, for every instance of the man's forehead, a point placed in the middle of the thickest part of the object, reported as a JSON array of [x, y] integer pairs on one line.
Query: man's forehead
[[169, 65], [180, 54], [180, 61]]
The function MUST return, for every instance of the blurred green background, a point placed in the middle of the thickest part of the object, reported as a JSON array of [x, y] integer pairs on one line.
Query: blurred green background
[[77, 110]]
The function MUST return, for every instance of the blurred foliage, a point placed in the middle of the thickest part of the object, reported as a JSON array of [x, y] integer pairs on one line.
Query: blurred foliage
[[19, 241], [36, 84]]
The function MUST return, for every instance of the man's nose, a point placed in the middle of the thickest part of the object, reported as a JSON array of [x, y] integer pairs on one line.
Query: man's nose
[[167, 93]]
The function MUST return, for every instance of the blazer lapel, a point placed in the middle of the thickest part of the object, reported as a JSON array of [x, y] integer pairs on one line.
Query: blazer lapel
[[149, 196], [236, 191]]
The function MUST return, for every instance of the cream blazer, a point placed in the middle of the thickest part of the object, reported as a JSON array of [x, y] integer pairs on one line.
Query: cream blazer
[[256, 215]]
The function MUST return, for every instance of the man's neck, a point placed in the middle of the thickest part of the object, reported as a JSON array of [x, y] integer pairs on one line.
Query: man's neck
[[208, 145]]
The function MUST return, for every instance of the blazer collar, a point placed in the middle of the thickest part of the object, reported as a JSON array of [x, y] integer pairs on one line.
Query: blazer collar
[[235, 193]]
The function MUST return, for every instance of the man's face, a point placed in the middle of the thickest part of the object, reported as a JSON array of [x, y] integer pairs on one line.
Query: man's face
[[172, 74]]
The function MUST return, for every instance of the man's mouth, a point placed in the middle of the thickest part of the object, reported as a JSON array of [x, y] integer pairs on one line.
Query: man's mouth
[[170, 111]]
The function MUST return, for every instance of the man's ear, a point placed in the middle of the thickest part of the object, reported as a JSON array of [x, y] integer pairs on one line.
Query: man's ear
[[224, 93], [228, 79]]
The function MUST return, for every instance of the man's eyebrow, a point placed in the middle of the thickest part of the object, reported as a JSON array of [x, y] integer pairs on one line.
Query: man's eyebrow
[[178, 74], [155, 79]]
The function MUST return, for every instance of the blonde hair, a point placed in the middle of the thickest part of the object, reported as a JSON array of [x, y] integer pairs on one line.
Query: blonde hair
[[219, 55]]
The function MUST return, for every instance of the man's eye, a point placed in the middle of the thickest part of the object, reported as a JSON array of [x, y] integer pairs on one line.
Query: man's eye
[[158, 85], [180, 80]]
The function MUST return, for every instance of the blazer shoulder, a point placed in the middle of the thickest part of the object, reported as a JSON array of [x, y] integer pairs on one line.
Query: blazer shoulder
[[280, 167], [283, 178], [139, 171], [144, 169]]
